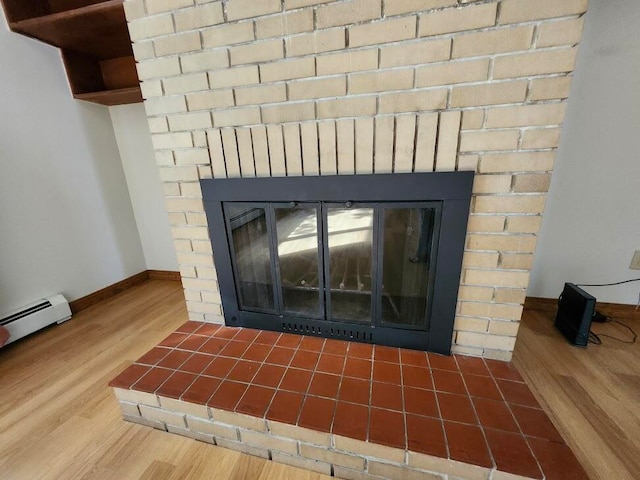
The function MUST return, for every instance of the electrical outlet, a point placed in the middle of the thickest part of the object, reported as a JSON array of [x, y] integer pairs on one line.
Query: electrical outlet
[[635, 261]]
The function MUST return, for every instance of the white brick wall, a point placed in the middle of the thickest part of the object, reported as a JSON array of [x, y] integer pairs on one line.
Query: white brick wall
[[490, 77]]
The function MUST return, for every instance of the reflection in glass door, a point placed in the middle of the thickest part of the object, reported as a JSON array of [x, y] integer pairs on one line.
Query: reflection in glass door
[[350, 252], [250, 246], [407, 265], [299, 259]]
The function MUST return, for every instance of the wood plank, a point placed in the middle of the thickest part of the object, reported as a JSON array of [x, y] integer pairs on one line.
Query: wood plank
[[609, 309], [121, 96], [99, 30], [164, 275], [109, 291], [591, 394]]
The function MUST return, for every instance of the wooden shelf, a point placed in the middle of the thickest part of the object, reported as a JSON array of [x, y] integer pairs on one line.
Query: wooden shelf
[[95, 44], [99, 30], [118, 96]]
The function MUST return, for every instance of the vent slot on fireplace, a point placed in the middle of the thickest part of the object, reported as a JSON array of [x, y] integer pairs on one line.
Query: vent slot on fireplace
[[368, 258]]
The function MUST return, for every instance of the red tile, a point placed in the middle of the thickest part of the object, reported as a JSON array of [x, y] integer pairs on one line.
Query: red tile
[[472, 365], [152, 380], [192, 342], [268, 338], [201, 390], [457, 408], [129, 376], [414, 357], [536, 423], [330, 364], [467, 444], [386, 372], [511, 454], [517, 393], [257, 352], [227, 332], [557, 460], [335, 347], [426, 435], [354, 390], [189, 327], [227, 395], [484, 387], [280, 356], [305, 360], [269, 375], [243, 371], [351, 420], [416, 377], [296, 380], [495, 414], [153, 356], [504, 370], [247, 335], [324, 385], [234, 349], [420, 402], [317, 413], [289, 340], [285, 407], [176, 384], [357, 368], [214, 345], [312, 344], [442, 362], [255, 400], [174, 359], [387, 428], [207, 329], [173, 340], [360, 350], [196, 363], [451, 382], [386, 354], [386, 395], [220, 367]]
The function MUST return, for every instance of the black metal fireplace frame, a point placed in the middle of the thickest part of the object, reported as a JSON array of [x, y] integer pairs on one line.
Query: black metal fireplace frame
[[451, 189]]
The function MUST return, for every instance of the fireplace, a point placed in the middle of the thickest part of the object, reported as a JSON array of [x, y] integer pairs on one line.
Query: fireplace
[[368, 258]]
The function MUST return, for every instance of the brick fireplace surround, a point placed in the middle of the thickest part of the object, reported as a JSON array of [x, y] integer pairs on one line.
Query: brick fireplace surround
[[324, 87]]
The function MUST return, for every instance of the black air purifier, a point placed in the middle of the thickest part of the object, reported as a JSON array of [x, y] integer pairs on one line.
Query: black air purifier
[[575, 312]]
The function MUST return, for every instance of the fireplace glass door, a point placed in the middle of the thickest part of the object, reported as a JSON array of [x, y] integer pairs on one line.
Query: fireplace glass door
[[354, 263]]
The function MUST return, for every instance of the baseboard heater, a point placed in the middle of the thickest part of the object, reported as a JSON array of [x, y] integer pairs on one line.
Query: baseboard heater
[[39, 314]]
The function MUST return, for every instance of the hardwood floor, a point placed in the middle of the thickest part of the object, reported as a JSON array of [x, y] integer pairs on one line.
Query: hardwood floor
[[58, 418], [592, 394]]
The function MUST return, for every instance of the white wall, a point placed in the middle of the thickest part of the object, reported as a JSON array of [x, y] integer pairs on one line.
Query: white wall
[[147, 197], [66, 223], [591, 225]]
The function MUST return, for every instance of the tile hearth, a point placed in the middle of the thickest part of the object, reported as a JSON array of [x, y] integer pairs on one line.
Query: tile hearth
[[359, 411]]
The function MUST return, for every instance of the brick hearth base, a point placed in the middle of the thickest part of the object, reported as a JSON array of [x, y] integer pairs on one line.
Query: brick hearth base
[[345, 409]]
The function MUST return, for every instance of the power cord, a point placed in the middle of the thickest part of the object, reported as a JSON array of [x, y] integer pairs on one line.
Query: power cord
[[606, 284], [595, 337]]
